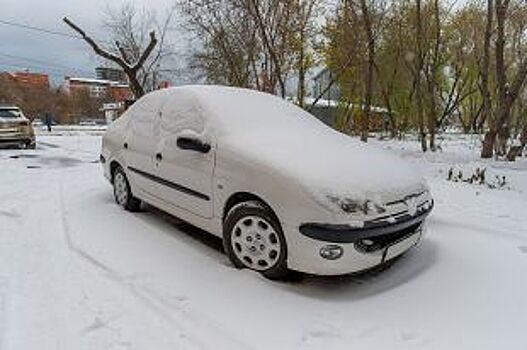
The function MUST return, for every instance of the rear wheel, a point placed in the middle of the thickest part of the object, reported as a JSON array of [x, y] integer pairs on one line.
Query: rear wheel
[[253, 239], [122, 192]]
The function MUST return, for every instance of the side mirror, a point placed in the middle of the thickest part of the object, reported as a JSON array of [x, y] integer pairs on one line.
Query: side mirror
[[193, 144]]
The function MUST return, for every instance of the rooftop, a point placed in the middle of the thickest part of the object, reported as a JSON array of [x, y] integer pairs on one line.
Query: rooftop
[[97, 81]]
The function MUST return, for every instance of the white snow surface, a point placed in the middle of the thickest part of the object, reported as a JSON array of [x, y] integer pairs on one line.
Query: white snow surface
[[78, 272]]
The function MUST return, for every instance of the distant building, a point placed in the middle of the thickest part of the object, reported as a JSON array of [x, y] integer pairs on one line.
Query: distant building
[[321, 82], [99, 88], [28, 79], [327, 104], [111, 74], [112, 111]]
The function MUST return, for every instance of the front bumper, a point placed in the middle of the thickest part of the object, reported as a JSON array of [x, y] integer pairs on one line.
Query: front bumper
[[16, 140], [371, 229], [362, 248]]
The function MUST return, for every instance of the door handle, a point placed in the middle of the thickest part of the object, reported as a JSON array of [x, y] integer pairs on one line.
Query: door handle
[[159, 157]]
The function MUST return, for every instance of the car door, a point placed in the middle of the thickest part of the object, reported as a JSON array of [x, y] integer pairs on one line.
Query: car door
[[186, 171], [141, 141]]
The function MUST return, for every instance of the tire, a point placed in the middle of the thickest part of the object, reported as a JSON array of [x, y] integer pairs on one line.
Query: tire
[[122, 192], [253, 239]]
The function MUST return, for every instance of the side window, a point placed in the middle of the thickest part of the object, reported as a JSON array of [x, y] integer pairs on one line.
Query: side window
[[145, 115], [182, 112]]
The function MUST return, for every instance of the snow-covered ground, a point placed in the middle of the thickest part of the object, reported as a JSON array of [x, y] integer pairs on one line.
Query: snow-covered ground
[[77, 272]]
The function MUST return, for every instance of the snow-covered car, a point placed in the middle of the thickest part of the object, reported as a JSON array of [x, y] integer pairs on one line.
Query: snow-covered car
[[283, 190], [15, 128]]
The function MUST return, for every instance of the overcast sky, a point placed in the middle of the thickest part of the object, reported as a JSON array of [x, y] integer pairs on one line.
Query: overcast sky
[[56, 55]]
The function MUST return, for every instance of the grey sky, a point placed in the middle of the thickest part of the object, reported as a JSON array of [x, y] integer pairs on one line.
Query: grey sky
[[56, 55]]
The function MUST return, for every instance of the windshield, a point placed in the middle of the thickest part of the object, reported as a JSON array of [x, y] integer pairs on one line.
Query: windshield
[[10, 113]]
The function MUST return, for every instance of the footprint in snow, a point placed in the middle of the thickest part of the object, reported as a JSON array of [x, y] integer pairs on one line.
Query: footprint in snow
[[409, 336], [10, 213], [523, 249], [320, 331], [95, 325]]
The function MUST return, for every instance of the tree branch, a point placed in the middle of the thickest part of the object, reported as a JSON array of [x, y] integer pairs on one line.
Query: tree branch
[[151, 45], [98, 50]]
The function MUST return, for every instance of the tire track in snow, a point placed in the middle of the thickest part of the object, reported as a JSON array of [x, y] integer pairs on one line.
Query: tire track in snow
[[156, 303]]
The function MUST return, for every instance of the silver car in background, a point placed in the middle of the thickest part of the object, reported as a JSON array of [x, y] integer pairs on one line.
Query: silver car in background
[[15, 129]]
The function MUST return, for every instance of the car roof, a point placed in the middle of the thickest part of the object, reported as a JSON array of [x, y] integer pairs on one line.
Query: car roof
[[233, 110], [8, 107]]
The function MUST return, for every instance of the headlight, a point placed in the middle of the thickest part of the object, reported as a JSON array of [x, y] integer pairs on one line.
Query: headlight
[[351, 206]]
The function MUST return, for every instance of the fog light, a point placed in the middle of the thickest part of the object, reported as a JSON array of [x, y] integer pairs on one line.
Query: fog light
[[331, 252]]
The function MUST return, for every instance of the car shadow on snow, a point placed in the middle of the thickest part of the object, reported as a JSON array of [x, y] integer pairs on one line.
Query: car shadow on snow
[[345, 288], [197, 235], [378, 280]]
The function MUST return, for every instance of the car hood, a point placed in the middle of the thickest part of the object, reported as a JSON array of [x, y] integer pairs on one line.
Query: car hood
[[329, 164]]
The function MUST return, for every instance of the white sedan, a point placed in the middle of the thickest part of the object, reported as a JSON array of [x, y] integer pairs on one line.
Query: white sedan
[[283, 190]]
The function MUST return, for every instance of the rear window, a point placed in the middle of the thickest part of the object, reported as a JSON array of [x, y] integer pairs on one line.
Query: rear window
[[10, 113]]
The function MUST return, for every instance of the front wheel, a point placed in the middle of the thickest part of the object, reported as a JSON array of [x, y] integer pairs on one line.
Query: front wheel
[[253, 239], [122, 192]]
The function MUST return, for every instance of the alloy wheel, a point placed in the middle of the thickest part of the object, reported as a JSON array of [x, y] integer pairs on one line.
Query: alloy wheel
[[255, 243], [120, 189]]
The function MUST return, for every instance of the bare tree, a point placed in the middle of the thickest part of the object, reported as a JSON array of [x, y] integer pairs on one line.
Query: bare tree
[[137, 51], [129, 28], [419, 73], [252, 43], [432, 74], [368, 72], [305, 30], [507, 92], [486, 109]]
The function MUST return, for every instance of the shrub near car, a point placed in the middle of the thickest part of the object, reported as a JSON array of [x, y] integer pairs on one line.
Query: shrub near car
[[15, 128], [283, 190]]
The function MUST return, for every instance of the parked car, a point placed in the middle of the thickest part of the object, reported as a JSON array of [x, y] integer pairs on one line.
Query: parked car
[[283, 190], [15, 128]]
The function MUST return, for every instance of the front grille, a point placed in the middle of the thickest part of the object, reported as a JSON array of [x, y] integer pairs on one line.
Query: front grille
[[406, 198], [377, 243]]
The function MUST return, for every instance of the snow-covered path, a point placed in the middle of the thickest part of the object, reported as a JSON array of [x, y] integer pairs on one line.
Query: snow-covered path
[[77, 272]]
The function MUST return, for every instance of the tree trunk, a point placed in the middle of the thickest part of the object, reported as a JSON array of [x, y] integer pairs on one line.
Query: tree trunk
[[507, 94], [419, 70], [366, 109], [432, 79], [484, 75], [275, 62], [301, 88]]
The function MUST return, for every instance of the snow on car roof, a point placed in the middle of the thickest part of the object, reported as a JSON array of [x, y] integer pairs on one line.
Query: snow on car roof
[[230, 109], [288, 140]]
